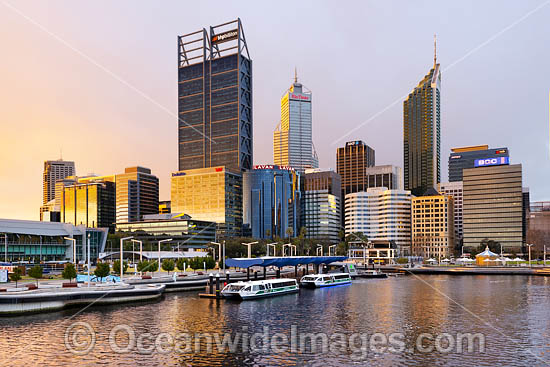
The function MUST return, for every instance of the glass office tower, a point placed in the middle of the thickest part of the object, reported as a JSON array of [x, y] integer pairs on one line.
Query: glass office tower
[[421, 134], [137, 194], [465, 157], [90, 203], [352, 162], [292, 139], [215, 99], [271, 201], [321, 209]]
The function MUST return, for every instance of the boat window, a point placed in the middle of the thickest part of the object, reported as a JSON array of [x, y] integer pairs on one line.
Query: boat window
[[341, 276], [255, 288], [326, 278], [261, 287], [247, 289], [235, 288]]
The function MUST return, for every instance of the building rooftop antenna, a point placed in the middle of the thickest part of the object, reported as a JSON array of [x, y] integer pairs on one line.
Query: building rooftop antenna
[[435, 50], [295, 75]]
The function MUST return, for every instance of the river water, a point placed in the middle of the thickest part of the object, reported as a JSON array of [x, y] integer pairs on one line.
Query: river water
[[400, 321]]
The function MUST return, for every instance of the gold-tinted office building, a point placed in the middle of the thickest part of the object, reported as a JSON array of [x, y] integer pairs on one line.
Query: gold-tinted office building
[[137, 194], [90, 203], [351, 164], [210, 194], [493, 204], [432, 225]]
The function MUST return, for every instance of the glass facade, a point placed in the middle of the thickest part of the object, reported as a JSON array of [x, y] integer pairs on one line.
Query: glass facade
[[209, 194], [493, 206], [321, 210], [382, 215], [271, 201], [462, 158], [421, 134], [455, 189], [91, 204], [54, 171], [292, 140], [214, 101], [352, 162], [137, 194]]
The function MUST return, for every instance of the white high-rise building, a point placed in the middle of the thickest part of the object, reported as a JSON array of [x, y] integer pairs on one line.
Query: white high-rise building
[[455, 190], [292, 139], [53, 171], [381, 214]]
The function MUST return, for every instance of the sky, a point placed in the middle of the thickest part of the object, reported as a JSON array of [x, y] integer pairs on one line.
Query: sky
[[96, 82]]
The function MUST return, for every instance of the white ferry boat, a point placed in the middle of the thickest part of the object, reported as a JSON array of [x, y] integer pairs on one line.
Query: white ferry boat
[[325, 280], [260, 288]]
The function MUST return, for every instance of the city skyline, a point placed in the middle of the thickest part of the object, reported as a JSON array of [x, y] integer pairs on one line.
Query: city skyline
[[74, 125]]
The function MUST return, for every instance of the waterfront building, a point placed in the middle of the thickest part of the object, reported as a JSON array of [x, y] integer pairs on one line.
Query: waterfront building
[[465, 157], [373, 252], [215, 99], [90, 202], [352, 161], [137, 194], [322, 204], [165, 207], [36, 241], [271, 201], [455, 189], [432, 225], [381, 215], [212, 194], [184, 231], [54, 171], [493, 204], [538, 232], [421, 133], [292, 139]]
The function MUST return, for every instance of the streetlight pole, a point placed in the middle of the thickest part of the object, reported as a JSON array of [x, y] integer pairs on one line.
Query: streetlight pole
[[529, 245], [334, 247], [89, 255], [274, 248], [285, 246], [5, 247], [223, 254], [161, 241], [219, 250], [249, 245], [74, 248], [293, 247], [544, 262], [121, 261], [140, 248]]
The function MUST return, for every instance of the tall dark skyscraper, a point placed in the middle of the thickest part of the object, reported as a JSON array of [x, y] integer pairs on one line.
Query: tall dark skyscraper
[[215, 99], [351, 164], [421, 134], [466, 157]]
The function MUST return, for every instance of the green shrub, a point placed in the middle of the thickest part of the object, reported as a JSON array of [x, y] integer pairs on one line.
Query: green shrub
[[69, 272]]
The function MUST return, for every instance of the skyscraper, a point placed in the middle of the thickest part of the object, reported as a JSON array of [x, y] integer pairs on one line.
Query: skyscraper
[[292, 139], [352, 162], [465, 157], [322, 204], [53, 171], [215, 99], [421, 134], [137, 194]]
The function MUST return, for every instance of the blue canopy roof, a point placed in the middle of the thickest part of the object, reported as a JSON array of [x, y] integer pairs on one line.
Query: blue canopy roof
[[282, 261]]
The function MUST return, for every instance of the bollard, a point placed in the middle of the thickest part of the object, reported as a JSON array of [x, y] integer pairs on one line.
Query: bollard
[[265, 275], [218, 285], [211, 283], [295, 271], [255, 275], [278, 272], [247, 273], [227, 277]]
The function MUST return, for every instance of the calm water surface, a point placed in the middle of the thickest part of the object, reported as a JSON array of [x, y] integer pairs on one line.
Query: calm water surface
[[511, 312]]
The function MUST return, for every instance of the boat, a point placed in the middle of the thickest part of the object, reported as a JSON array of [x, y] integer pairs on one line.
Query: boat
[[260, 288], [325, 280], [371, 274]]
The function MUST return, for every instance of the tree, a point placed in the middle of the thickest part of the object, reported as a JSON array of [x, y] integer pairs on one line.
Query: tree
[[168, 265], [153, 266], [116, 266], [143, 266], [69, 272], [180, 264], [16, 275], [289, 232], [36, 273], [102, 270]]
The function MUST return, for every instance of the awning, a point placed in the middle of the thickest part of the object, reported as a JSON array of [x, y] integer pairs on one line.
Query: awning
[[282, 261]]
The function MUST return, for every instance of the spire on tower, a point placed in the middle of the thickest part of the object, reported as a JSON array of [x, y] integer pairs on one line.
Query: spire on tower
[[435, 50], [295, 75]]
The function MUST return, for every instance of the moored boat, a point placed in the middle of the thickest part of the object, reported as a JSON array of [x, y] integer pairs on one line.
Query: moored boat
[[260, 288], [371, 274], [325, 280]]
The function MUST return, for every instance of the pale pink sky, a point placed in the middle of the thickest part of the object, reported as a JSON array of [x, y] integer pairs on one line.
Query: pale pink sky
[[357, 57]]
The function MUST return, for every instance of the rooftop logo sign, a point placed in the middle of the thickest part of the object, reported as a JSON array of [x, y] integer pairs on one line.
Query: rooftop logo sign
[[225, 36], [491, 162], [299, 97]]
